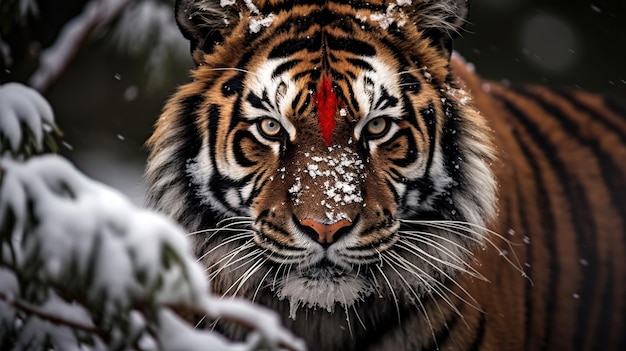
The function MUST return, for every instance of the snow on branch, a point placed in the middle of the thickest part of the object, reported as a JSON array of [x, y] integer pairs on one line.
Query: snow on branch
[[82, 268], [26, 121]]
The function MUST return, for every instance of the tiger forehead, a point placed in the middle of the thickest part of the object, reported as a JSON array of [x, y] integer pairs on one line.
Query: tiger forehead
[[304, 87], [267, 5]]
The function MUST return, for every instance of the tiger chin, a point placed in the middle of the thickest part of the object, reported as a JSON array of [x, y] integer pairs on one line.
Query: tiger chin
[[337, 163]]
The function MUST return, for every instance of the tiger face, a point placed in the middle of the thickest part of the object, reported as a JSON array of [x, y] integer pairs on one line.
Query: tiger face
[[322, 156]]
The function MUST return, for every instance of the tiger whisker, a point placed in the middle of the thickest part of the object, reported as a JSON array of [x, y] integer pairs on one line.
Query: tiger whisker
[[281, 265], [426, 233], [229, 264], [434, 288], [463, 226], [226, 242], [393, 294], [345, 307], [418, 251], [442, 249], [421, 274], [256, 291], [474, 303], [391, 263], [223, 224], [258, 265], [235, 69], [246, 275], [408, 71], [356, 313], [229, 256], [235, 221]]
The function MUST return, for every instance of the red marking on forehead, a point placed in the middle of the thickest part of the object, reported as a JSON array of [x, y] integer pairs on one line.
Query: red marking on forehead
[[326, 102]]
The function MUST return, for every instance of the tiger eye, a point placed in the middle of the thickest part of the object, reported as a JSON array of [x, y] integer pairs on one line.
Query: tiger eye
[[270, 127], [377, 126]]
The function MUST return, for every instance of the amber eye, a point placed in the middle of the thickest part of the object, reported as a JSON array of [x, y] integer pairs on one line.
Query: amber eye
[[377, 126], [270, 127]]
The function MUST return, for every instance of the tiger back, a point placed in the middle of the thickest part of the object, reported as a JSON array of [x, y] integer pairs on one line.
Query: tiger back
[[333, 161]]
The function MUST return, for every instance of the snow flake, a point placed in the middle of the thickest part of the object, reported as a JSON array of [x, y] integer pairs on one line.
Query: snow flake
[[391, 15], [256, 24], [338, 174], [224, 3]]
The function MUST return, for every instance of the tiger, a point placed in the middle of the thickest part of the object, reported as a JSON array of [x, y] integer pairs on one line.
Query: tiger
[[338, 163]]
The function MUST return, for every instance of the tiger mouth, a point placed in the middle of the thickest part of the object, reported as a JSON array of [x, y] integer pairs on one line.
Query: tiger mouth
[[324, 270]]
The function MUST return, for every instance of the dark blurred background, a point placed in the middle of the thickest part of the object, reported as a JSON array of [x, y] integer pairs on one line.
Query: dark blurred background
[[108, 98]]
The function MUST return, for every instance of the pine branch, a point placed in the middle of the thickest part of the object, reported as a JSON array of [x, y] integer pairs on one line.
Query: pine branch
[[55, 59], [34, 311]]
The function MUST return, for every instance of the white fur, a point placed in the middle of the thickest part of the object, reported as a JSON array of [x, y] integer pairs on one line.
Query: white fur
[[325, 291]]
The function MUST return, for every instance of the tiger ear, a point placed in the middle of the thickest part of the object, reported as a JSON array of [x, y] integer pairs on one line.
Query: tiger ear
[[441, 20], [205, 23]]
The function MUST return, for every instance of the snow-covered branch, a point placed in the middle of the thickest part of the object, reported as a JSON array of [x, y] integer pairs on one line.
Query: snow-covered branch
[[81, 268], [96, 15], [80, 251], [26, 121]]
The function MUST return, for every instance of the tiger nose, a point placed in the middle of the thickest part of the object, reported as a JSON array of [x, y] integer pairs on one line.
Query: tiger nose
[[325, 233]]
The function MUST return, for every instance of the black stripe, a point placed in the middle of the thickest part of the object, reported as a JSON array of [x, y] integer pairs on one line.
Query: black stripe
[[190, 139], [452, 151], [258, 186], [617, 106], [443, 334], [583, 222], [238, 151], [313, 73], [362, 64], [186, 125], [409, 83], [411, 154], [386, 100], [615, 182], [479, 333], [351, 97], [289, 47], [610, 175], [285, 66], [544, 205], [296, 100], [429, 116], [219, 184], [258, 102], [307, 100], [604, 329], [288, 5], [612, 104], [214, 115], [529, 263], [396, 197], [234, 85], [355, 46]]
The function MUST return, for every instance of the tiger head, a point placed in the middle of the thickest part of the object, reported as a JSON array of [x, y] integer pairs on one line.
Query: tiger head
[[322, 155]]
